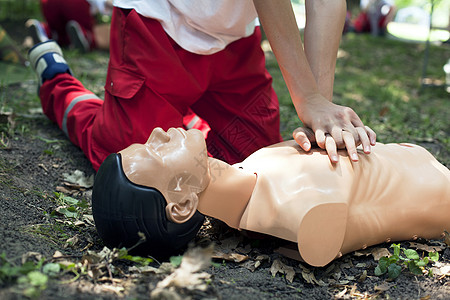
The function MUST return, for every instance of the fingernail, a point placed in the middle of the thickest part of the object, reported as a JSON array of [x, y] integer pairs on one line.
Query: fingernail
[[334, 158], [306, 146], [354, 156], [367, 149]]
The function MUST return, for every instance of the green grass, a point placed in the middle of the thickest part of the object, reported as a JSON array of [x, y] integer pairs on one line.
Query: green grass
[[19, 9]]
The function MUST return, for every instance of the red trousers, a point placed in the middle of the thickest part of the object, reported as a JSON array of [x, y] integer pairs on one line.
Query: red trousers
[[362, 23], [153, 82], [58, 12]]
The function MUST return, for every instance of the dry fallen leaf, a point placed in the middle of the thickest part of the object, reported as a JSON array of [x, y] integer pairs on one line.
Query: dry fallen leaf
[[89, 219], [253, 265], [384, 286], [57, 254], [235, 257], [341, 293], [63, 190], [79, 223], [78, 177], [228, 245], [310, 278], [144, 270], [112, 288], [363, 276], [72, 242], [379, 253], [43, 167], [441, 269], [31, 256], [165, 294], [346, 265], [279, 267], [365, 252], [424, 247], [187, 274], [447, 238]]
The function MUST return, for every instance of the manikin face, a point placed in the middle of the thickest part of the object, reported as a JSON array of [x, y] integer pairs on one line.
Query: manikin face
[[174, 162]]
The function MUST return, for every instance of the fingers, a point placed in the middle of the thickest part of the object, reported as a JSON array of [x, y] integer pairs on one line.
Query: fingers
[[320, 138], [336, 134], [330, 147], [338, 139], [304, 137], [372, 135], [336, 127], [364, 138], [348, 142]]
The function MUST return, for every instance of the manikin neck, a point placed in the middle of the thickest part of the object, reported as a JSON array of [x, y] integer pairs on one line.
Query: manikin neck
[[227, 194]]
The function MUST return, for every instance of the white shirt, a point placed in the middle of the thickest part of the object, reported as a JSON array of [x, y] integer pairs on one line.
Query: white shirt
[[99, 7], [199, 26]]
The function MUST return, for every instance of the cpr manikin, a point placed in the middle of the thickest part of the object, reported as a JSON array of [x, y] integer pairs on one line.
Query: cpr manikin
[[398, 192]]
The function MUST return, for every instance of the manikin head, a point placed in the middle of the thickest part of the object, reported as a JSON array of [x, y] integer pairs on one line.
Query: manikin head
[[173, 162], [152, 188]]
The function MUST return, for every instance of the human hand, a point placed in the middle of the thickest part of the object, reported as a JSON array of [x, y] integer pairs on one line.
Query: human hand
[[332, 127]]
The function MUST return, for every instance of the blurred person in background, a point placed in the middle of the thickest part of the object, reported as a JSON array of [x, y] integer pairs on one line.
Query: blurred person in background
[[73, 23], [374, 16]]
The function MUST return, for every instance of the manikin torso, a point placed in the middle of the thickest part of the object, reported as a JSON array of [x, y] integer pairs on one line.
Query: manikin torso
[[285, 184], [397, 192]]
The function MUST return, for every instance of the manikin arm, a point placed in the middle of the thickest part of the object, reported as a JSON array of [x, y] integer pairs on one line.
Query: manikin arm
[[309, 73]]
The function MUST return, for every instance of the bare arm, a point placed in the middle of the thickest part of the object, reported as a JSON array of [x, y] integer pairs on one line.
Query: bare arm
[[309, 73], [323, 31]]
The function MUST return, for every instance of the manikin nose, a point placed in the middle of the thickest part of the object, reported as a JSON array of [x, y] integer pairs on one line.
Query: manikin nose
[[159, 135]]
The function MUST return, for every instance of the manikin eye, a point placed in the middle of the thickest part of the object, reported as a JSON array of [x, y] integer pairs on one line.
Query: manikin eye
[[177, 187], [181, 184]]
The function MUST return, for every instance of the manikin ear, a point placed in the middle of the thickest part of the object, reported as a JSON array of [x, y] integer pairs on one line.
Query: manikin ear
[[182, 211]]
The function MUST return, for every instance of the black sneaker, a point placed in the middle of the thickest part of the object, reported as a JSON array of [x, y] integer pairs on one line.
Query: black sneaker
[[36, 31], [77, 38]]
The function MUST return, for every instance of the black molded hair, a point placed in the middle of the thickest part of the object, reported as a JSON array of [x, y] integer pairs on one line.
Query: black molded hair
[[121, 209]]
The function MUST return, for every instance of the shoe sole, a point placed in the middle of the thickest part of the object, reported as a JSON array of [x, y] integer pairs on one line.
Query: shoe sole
[[76, 36], [35, 32]]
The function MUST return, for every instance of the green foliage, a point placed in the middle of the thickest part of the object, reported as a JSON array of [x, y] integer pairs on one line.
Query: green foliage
[[33, 283], [67, 214], [410, 259], [142, 261], [16, 10], [31, 277], [70, 207], [176, 260], [51, 269]]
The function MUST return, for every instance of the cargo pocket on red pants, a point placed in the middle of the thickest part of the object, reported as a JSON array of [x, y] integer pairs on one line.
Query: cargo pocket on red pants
[[123, 83], [112, 130]]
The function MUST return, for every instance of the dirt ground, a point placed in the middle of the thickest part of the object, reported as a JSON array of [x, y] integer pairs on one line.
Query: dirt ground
[[35, 164], [30, 176]]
